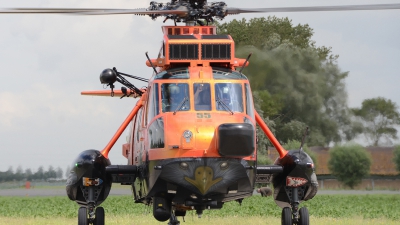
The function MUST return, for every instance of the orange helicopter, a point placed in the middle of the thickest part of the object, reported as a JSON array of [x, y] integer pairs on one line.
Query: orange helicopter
[[192, 145]]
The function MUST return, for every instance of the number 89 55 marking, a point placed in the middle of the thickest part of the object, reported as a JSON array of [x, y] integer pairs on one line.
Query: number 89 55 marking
[[203, 115]]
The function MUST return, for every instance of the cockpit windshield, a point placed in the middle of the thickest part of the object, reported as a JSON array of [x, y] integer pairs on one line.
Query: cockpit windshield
[[228, 97], [175, 97], [179, 73], [227, 74], [202, 96]]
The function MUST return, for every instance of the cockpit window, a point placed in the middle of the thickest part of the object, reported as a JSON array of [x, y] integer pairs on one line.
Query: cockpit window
[[175, 97], [249, 101], [179, 73], [228, 97], [227, 74], [202, 96]]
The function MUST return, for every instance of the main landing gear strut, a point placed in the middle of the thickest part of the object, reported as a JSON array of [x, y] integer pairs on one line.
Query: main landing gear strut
[[89, 214], [292, 215]]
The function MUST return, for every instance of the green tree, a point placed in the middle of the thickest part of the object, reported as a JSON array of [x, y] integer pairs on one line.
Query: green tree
[[39, 174], [349, 164], [396, 157], [50, 173], [59, 173], [268, 33], [292, 130], [262, 140], [19, 174], [67, 172], [28, 174], [379, 116], [10, 174], [300, 84]]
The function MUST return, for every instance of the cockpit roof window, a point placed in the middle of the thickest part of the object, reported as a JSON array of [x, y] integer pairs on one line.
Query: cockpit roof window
[[178, 73], [227, 74]]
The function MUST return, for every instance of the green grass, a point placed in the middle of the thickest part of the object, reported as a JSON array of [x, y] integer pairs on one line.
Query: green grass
[[147, 219], [322, 206]]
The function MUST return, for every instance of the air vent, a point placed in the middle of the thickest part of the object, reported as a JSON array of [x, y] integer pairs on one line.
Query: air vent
[[214, 37], [181, 37], [183, 51], [215, 51]]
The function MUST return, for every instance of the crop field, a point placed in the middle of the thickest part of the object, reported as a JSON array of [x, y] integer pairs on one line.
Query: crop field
[[324, 209]]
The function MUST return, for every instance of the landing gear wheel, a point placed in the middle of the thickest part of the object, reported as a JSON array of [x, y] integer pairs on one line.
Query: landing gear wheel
[[99, 219], [82, 216], [287, 216], [304, 216]]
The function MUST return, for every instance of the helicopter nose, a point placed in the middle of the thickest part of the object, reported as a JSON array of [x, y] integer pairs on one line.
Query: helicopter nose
[[203, 178]]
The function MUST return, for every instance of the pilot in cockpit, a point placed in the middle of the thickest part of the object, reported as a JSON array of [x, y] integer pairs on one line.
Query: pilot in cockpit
[[202, 96], [174, 95]]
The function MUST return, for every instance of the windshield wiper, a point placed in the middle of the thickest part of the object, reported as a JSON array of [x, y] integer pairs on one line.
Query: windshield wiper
[[223, 104], [180, 105]]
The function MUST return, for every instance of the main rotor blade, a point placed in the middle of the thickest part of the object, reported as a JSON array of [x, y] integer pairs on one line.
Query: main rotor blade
[[88, 11], [313, 8], [47, 10]]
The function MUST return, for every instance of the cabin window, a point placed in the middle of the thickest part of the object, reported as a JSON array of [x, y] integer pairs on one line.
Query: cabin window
[[138, 123], [175, 97], [202, 96], [228, 97], [153, 103], [249, 101]]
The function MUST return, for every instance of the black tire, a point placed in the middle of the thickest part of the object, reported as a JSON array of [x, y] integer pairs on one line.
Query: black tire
[[304, 216], [82, 216], [99, 219], [287, 216]]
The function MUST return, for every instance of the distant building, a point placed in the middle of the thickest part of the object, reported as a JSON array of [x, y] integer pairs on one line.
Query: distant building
[[382, 160]]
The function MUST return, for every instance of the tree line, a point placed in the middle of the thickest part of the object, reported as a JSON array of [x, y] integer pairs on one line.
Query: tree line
[[28, 175], [298, 84]]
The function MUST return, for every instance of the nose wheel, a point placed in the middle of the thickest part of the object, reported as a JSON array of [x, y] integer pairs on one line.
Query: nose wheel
[[292, 215], [99, 219], [85, 217], [82, 216], [288, 217], [89, 214], [304, 216]]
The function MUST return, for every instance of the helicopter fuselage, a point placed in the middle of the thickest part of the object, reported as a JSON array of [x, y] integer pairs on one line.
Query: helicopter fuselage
[[192, 143], [200, 150]]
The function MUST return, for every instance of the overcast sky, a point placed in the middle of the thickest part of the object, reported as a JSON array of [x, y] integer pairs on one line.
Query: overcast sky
[[46, 60]]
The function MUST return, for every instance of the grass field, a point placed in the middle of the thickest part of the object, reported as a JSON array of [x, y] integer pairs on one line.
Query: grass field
[[149, 220], [324, 209]]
